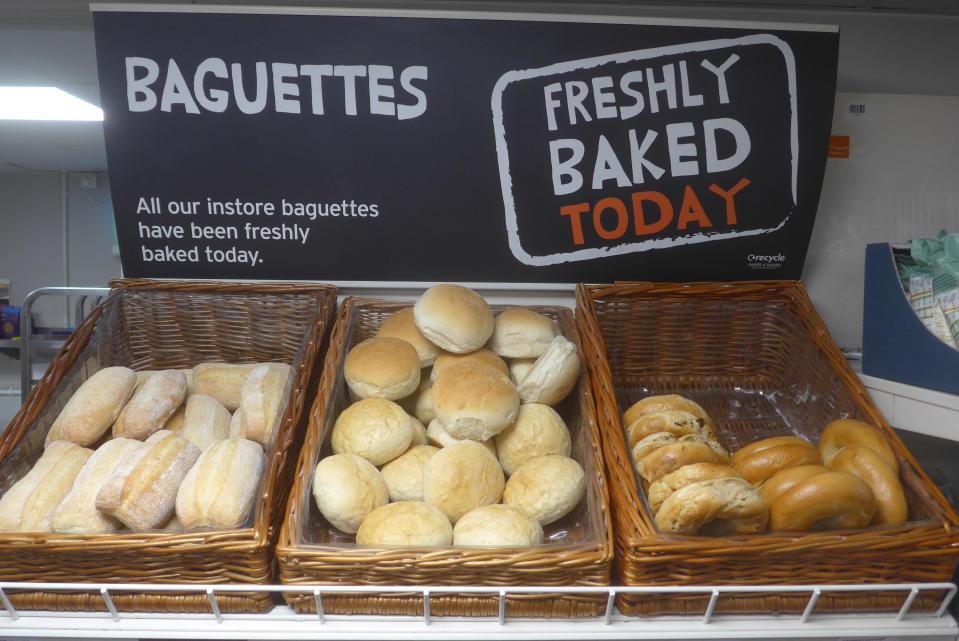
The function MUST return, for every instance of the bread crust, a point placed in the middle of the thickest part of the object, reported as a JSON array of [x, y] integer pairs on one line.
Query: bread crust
[[847, 431]]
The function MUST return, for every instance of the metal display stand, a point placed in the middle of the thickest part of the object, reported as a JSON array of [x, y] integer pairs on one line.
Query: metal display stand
[[283, 623]]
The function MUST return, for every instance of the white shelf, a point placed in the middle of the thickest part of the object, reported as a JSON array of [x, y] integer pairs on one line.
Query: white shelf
[[282, 623], [915, 408]]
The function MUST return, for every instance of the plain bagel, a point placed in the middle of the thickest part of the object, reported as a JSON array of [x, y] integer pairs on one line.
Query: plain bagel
[[829, 501], [761, 465], [847, 431], [867, 464]]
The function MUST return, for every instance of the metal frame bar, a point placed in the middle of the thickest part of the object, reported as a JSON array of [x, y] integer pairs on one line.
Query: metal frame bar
[[814, 591]]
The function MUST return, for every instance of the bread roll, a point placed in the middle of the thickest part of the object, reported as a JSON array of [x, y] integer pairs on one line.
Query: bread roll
[[438, 436], [151, 405], [453, 317], [519, 368], [404, 474], [374, 428], [93, 407], [78, 513], [474, 401], [405, 524], [461, 477], [260, 401], [143, 375], [400, 325], [664, 403], [382, 367], [538, 431], [423, 406], [346, 488], [499, 526], [176, 421], [205, 421], [482, 355], [142, 491], [419, 433], [553, 375], [686, 475], [547, 488], [418, 403], [29, 503], [867, 464], [521, 333], [222, 381], [717, 507], [219, 489], [236, 424]]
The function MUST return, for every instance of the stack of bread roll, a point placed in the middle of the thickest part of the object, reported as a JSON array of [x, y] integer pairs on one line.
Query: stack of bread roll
[[690, 486], [152, 449], [452, 437], [784, 483]]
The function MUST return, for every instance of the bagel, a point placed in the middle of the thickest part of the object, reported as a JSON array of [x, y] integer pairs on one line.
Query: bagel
[[676, 422], [765, 444], [686, 475], [867, 464], [664, 403], [669, 458], [827, 501], [761, 465], [847, 431], [651, 443], [722, 506], [785, 479]]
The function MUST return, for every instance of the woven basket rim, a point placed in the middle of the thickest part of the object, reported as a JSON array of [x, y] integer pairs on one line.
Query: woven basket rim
[[599, 550], [244, 539], [637, 535]]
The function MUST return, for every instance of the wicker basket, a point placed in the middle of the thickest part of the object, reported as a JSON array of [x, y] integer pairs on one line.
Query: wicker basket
[[310, 551], [158, 325], [760, 360]]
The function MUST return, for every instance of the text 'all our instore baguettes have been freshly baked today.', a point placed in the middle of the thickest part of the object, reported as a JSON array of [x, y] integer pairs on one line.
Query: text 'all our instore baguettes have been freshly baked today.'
[[166, 239]]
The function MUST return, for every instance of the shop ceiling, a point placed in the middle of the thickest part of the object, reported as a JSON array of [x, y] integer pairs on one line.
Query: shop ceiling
[[50, 43]]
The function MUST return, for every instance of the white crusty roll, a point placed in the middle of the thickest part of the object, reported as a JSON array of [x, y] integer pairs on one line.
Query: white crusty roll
[[205, 421], [404, 474], [142, 491], [546, 488], [93, 407], [454, 317], [419, 433], [374, 428], [29, 504], [405, 524], [222, 381], [519, 368], [152, 405], [521, 333], [482, 355], [219, 489], [422, 401], [437, 435], [260, 401], [553, 375], [497, 525], [461, 477], [346, 488], [538, 431], [382, 367], [78, 512], [474, 401], [400, 325]]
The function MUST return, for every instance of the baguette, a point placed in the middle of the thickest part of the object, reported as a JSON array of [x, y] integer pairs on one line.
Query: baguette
[[93, 407], [152, 405], [78, 513], [260, 402], [29, 504], [219, 490], [222, 381], [142, 491], [205, 421]]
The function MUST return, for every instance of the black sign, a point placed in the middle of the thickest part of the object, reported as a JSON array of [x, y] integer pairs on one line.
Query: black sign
[[347, 147]]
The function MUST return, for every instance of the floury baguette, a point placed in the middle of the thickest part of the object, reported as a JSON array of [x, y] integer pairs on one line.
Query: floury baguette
[[28, 506], [142, 491], [93, 407], [219, 489], [152, 404]]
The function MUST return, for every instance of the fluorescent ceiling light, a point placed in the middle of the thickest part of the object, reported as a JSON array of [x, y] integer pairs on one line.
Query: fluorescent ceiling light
[[44, 103]]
